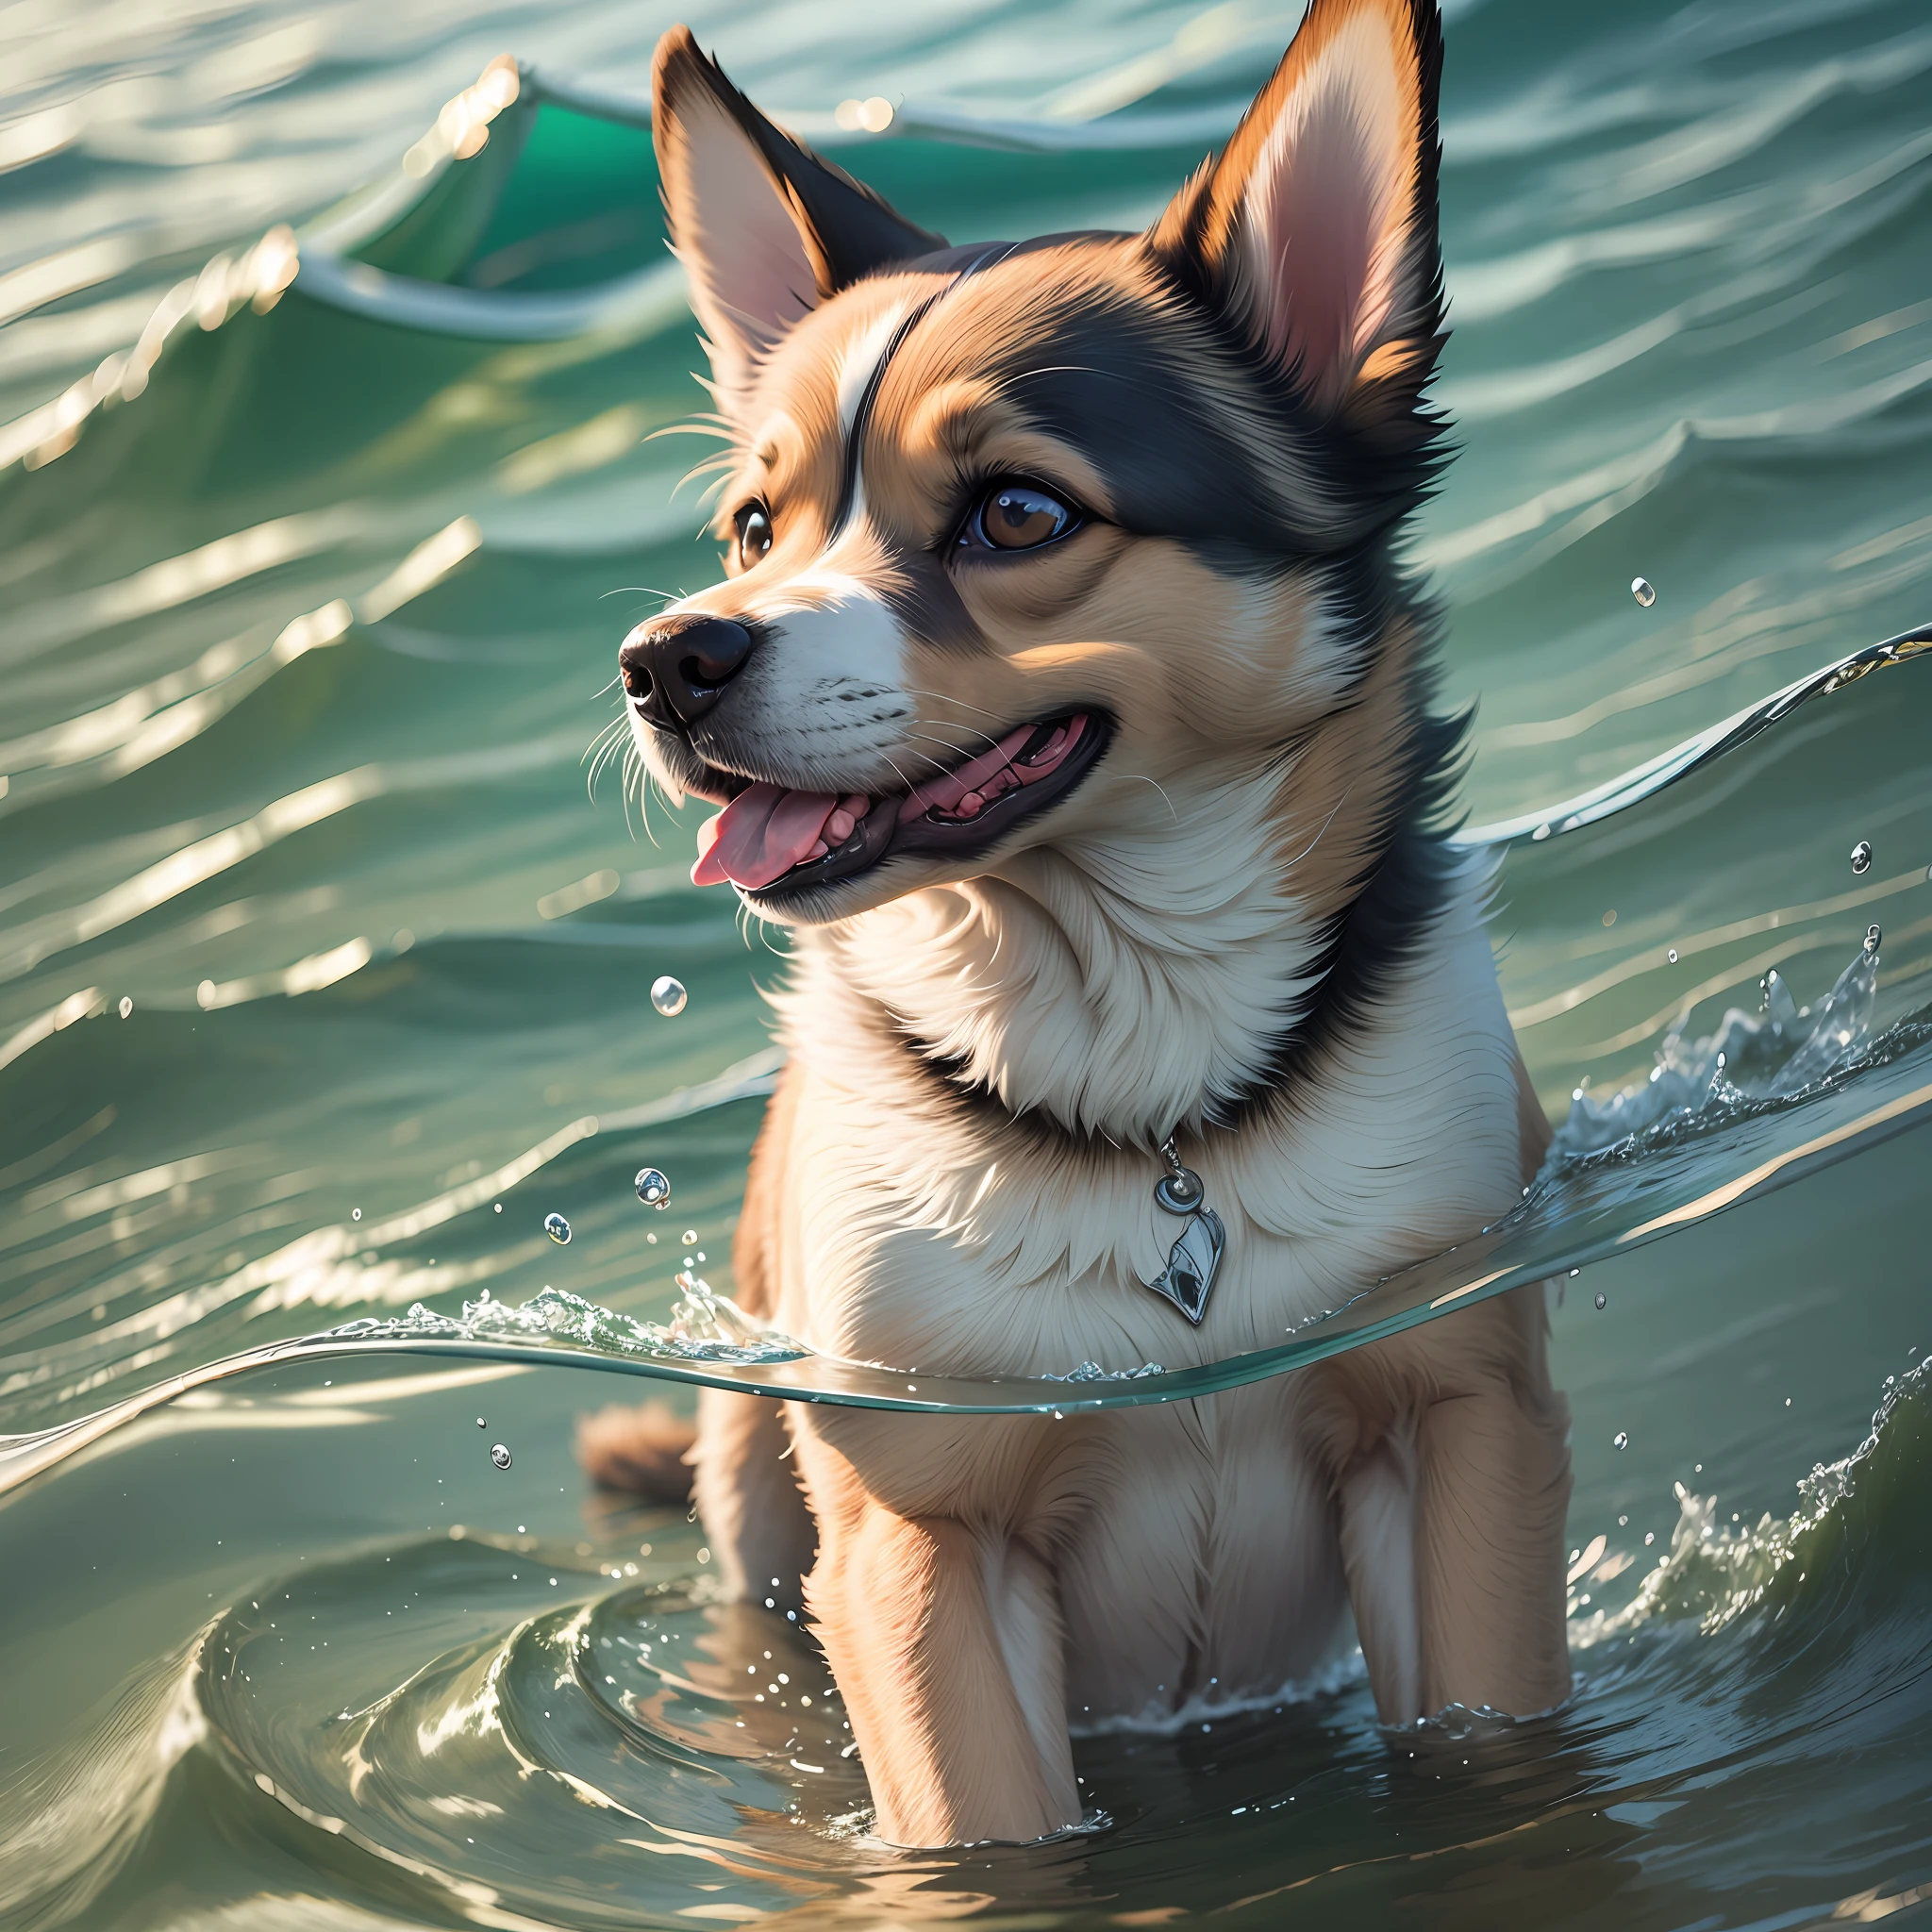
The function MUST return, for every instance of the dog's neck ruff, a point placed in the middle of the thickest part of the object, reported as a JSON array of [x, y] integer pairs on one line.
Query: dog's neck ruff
[[1106, 990], [1087, 1033]]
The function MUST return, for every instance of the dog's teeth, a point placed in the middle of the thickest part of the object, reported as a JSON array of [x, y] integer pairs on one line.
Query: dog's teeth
[[839, 828], [818, 850], [854, 805], [971, 805]]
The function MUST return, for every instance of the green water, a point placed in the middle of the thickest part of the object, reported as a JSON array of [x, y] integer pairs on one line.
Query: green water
[[386, 952]]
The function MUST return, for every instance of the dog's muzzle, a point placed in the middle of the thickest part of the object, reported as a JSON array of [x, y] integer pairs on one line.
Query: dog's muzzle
[[674, 668]]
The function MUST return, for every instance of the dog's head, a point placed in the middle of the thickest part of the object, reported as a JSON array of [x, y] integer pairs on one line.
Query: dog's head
[[1011, 530]]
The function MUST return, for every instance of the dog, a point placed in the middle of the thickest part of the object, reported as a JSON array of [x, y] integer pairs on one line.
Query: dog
[[1068, 699]]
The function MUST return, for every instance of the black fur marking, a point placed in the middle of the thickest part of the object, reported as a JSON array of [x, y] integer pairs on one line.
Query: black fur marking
[[861, 416]]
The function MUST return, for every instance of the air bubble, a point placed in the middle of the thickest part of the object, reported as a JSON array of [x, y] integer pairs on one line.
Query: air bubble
[[1861, 856], [1619, 1440], [1641, 588], [558, 1228], [653, 1190], [668, 995], [1603, 1301], [499, 1454]]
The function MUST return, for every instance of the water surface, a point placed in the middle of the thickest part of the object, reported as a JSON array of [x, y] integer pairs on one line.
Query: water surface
[[306, 628]]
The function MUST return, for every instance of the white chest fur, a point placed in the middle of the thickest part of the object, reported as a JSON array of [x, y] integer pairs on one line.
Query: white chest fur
[[935, 1235]]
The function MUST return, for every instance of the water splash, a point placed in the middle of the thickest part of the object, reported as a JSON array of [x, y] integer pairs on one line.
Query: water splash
[[1772, 1055], [1093, 1372], [1717, 1573], [703, 1327]]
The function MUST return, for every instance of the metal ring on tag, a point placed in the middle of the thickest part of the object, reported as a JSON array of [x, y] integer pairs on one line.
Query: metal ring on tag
[[1179, 1193]]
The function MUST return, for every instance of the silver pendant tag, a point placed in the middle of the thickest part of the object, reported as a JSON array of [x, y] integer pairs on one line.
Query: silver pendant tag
[[1187, 1279]]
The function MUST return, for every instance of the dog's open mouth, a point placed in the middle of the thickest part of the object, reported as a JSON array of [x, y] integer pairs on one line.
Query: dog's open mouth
[[771, 838]]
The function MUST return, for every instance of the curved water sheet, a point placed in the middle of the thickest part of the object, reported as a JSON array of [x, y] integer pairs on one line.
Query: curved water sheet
[[1721, 896], [1811, 1089]]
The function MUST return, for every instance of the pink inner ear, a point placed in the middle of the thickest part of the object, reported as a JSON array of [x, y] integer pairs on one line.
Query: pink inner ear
[[1323, 213], [751, 278]]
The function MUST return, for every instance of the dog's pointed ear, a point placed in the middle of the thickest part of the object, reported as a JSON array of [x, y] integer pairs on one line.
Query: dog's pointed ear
[[765, 229], [1315, 229]]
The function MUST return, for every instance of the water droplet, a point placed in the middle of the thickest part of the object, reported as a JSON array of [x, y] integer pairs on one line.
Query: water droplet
[[1861, 856], [653, 1190], [1641, 588], [558, 1228], [1603, 1301], [668, 995], [1649, 1538], [1619, 1440], [481, 1424], [690, 1237], [498, 1207], [355, 1214], [499, 1454], [127, 1005], [1674, 956], [652, 1239], [1541, 833], [1873, 935]]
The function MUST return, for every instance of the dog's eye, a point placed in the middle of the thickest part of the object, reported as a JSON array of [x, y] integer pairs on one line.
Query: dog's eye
[[1018, 516], [754, 534]]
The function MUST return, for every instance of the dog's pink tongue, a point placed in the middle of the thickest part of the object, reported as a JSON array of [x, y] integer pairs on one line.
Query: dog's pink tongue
[[760, 836]]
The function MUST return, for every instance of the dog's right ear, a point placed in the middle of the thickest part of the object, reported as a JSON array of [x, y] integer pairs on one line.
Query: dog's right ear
[[765, 229]]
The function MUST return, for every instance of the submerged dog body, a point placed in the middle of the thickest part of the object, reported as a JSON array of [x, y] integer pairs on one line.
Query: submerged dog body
[[1068, 698]]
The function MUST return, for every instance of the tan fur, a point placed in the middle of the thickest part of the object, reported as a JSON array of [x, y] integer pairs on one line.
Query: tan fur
[[985, 1585], [642, 1452]]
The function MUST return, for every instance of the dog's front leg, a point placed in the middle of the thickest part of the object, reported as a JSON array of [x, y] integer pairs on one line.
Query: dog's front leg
[[947, 1650], [1491, 1492]]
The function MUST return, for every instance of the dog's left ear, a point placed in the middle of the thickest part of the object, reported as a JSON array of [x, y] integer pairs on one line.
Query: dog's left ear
[[765, 229], [1315, 227]]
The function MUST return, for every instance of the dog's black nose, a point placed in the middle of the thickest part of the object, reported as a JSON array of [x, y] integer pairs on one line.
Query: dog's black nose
[[676, 668]]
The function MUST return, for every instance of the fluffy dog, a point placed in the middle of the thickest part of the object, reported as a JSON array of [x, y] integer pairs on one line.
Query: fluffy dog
[[1068, 699]]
